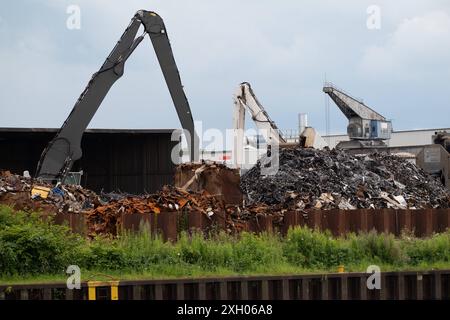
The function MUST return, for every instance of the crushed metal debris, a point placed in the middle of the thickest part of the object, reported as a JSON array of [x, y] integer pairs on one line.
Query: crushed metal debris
[[306, 179], [105, 218], [103, 212], [323, 179], [20, 193]]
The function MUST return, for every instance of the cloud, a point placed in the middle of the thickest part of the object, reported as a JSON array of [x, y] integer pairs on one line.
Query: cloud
[[418, 48], [283, 49]]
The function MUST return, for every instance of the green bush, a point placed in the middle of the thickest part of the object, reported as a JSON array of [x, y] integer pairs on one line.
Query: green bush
[[29, 245], [208, 254], [434, 249], [142, 251], [104, 254], [312, 249], [252, 252], [381, 248]]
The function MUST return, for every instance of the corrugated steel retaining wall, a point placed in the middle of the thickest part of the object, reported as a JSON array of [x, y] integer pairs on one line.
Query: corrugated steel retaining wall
[[424, 285], [421, 223]]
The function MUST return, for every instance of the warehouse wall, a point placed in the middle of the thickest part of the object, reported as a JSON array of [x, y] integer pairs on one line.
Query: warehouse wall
[[133, 161], [403, 138]]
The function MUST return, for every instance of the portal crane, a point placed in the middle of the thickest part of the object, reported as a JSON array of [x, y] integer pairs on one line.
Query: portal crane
[[366, 127], [60, 154]]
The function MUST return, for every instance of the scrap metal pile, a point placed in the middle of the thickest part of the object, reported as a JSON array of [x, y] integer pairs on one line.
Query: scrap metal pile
[[309, 178], [105, 218], [16, 191], [103, 211], [306, 179], [216, 178]]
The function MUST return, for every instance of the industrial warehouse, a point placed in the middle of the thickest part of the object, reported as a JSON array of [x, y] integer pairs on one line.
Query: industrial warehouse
[[270, 206]]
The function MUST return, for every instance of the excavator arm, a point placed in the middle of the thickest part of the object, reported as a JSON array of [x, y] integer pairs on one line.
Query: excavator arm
[[245, 99], [60, 154]]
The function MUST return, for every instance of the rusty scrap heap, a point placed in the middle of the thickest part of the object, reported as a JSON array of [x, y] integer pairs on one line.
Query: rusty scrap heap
[[16, 191], [309, 178], [306, 179], [103, 211], [105, 218]]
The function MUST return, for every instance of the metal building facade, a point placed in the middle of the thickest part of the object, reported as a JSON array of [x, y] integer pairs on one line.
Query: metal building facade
[[402, 138], [133, 161]]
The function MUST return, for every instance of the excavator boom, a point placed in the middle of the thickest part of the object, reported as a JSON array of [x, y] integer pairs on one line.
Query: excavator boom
[[244, 99], [60, 154]]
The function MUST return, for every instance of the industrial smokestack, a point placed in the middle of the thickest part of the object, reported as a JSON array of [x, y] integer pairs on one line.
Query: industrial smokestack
[[302, 122]]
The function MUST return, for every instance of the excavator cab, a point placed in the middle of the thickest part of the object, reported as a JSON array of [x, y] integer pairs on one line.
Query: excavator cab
[[73, 178]]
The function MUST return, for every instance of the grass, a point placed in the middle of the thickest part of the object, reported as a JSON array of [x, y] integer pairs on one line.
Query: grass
[[36, 251]]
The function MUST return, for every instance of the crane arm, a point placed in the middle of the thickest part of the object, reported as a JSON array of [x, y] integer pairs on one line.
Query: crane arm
[[245, 99], [365, 126], [65, 148], [350, 106]]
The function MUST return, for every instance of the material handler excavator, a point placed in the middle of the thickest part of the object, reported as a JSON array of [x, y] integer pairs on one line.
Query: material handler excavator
[[245, 98], [60, 154]]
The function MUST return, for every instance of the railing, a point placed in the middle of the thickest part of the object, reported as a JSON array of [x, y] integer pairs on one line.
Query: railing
[[332, 85]]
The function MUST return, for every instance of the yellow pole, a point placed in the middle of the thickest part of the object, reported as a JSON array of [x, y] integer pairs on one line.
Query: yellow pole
[[114, 290], [92, 285]]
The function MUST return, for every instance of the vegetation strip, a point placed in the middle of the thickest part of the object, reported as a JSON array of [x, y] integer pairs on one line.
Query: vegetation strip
[[33, 250]]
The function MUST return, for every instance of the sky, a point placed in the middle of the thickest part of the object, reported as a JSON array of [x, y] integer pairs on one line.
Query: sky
[[285, 49]]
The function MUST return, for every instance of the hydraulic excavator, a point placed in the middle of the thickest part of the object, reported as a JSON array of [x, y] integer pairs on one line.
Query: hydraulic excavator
[[245, 99], [367, 129], [60, 154]]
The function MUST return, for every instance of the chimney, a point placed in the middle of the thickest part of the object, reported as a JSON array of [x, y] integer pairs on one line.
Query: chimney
[[302, 122]]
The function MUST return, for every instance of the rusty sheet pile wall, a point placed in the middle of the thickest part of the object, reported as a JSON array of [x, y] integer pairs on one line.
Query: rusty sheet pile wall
[[421, 223], [427, 285]]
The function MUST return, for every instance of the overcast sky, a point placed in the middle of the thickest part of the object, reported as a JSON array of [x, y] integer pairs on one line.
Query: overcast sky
[[283, 48]]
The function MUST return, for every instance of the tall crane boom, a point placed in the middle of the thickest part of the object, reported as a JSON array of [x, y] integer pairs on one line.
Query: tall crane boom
[[245, 99], [366, 127], [59, 156]]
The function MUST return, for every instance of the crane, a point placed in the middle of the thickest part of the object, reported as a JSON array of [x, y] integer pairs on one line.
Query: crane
[[64, 149], [366, 127], [245, 98]]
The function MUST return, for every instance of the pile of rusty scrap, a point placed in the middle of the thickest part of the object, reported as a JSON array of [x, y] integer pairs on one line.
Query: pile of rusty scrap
[[21, 193], [103, 211], [216, 178], [316, 179], [238, 216], [105, 218], [306, 179]]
